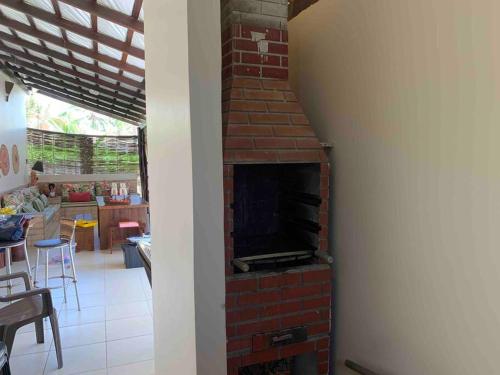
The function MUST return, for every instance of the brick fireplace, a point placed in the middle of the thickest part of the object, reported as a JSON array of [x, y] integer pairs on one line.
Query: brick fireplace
[[276, 186]]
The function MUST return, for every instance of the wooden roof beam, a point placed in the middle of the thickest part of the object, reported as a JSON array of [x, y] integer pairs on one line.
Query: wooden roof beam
[[47, 37], [109, 14], [101, 84], [72, 26], [70, 60], [82, 104], [42, 80], [96, 104], [36, 70]]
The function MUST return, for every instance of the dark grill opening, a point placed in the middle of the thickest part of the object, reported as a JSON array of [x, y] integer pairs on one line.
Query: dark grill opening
[[302, 364], [276, 214]]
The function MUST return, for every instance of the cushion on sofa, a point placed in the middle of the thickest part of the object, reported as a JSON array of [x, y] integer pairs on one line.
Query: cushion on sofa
[[38, 204], [14, 199], [44, 200], [79, 196], [77, 188], [50, 211], [28, 208]]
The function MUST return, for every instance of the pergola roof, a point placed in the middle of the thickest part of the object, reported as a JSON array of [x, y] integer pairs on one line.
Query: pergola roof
[[86, 52]]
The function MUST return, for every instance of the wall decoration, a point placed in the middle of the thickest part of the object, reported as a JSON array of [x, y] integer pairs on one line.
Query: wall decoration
[[4, 160], [15, 159]]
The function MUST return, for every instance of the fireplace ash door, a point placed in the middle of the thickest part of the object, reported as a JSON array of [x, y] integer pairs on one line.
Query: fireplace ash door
[[276, 214]]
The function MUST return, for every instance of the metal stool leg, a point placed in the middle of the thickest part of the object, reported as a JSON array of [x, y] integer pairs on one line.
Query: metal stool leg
[[8, 268], [72, 260], [46, 268], [27, 260], [35, 280], [63, 275]]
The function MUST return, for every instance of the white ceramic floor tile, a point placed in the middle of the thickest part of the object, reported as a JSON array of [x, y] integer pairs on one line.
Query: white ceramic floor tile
[[78, 360], [85, 334], [86, 301], [127, 310], [143, 368], [25, 343], [116, 305], [127, 351], [31, 364], [130, 327], [74, 317]]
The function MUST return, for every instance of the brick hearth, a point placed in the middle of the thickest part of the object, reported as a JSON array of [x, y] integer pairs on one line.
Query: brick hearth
[[263, 123]]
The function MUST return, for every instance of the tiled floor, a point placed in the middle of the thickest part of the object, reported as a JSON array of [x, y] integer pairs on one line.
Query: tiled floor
[[111, 335]]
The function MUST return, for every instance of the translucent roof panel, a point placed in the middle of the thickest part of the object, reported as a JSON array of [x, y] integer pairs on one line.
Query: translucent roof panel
[[123, 6], [80, 40], [108, 67], [63, 63], [111, 29], [98, 46], [47, 27], [108, 51], [84, 71], [132, 76], [28, 38], [14, 15], [76, 15], [14, 46], [132, 60], [42, 4], [83, 58], [39, 55], [107, 79], [138, 40], [5, 29], [128, 87], [53, 47]]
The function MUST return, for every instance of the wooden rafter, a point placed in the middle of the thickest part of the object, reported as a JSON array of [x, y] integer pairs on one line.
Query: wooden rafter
[[72, 26], [136, 10], [37, 70], [82, 104], [112, 15], [65, 93], [102, 84], [63, 43], [41, 80], [71, 60]]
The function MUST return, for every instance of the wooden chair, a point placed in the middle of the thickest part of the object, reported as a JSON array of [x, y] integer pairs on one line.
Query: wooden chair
[[30, 306]]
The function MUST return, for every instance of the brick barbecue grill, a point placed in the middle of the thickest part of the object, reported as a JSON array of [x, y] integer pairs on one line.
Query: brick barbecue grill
[[276, 187]]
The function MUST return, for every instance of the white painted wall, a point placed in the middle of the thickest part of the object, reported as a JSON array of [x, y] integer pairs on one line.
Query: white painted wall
[[13, 131], [408, 91], [186, 196]]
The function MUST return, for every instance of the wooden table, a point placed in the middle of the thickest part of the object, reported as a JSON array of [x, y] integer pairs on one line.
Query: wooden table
[[110, 215]]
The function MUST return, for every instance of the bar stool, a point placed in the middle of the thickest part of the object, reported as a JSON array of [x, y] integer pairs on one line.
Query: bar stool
[[65, 241], [8, 246]]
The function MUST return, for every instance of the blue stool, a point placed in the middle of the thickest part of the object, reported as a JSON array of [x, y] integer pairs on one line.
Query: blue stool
[[66, 241]]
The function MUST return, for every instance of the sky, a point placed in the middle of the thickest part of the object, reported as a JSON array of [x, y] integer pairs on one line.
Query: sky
[[51, 116]]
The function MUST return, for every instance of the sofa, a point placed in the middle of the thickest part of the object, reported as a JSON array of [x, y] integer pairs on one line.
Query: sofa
[[45, 222]]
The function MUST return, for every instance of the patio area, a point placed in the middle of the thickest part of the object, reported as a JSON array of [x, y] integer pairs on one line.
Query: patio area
[[113, 332]]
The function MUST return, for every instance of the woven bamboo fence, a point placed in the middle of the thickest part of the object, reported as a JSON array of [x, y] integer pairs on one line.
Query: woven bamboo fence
[[83, 154]]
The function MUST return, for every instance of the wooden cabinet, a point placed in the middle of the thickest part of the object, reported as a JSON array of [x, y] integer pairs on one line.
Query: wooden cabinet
[[111, 215]]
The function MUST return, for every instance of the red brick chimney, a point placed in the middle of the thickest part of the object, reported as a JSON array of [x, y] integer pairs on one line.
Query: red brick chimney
[[262, 119]]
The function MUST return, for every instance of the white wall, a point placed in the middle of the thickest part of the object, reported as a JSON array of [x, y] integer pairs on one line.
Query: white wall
[[408, 91], [13, 131], [186, 196]]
